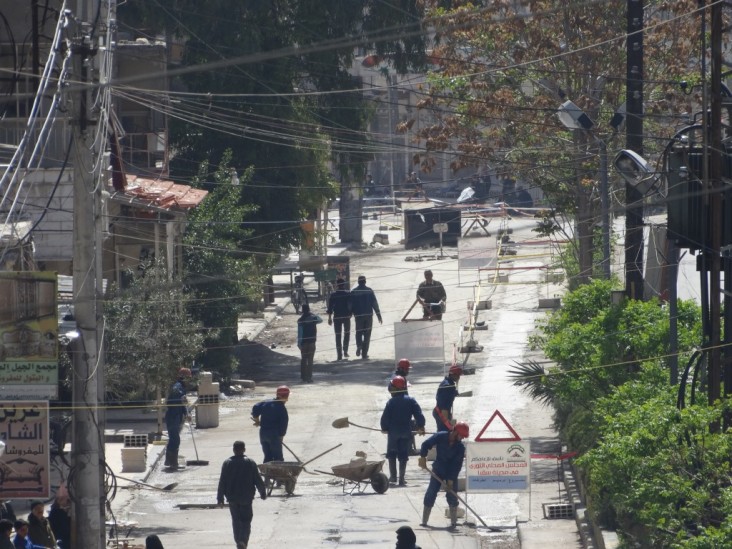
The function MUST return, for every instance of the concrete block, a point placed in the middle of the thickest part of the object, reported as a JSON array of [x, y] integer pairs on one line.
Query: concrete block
[[503, 278], [483, 305], [381, 238], [134, 460], [245, 383], [550, 303]]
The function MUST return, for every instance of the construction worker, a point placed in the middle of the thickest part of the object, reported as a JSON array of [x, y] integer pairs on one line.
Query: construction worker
[[364, 304], [176, 414], [446, 393], [402, 369], [396, 421], [432, 296], [445, 469], [271, 417], [307, 335], [339, 304]]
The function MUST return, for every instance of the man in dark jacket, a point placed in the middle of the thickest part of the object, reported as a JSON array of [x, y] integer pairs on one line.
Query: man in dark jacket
[[339, 306], [431, 294], [364, 305], [446, 393], [396, 421], [272, 418], [447, 465], [39, 530], [6, 528], [238, 481], [60, 521], [307, 335], [175, 415]]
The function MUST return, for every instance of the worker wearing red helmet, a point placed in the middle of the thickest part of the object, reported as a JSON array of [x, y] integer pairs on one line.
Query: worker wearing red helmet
[[176, 413], [446, 393], [402, 370], [396, 421], [272, 419], [447, 465]]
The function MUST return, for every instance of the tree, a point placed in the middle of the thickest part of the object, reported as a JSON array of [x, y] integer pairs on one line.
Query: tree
[[504, 68], [148, 334]]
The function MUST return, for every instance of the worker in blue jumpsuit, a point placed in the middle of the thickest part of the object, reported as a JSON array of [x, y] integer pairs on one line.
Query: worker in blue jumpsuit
[[445, 469], [446, 393], [176, 413], [271, 417], [396, 421]]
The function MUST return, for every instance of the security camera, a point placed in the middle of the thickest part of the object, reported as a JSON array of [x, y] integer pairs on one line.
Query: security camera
[[635, 170], [573, 117]]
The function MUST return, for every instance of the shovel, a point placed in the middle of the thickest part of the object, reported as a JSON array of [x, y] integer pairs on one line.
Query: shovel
[[343, 423], [167, 488]]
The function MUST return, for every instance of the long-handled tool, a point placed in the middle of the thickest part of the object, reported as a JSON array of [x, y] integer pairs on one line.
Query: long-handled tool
[[461, 500], [344, 423], [166, 488], [196, 461]]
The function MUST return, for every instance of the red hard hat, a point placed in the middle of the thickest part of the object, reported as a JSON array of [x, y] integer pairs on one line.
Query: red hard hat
[[404, 364], [455, 370], [398, 382], [184, 372], [462, 429], [283, 391]]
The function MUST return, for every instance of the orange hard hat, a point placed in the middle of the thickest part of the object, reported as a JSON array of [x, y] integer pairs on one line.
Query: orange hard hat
[[404, 364], [462, 429], [398, 382], [283, 391], [184, 372], [455, 370]]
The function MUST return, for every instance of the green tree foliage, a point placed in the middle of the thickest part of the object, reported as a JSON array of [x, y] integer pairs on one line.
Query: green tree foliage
[[224, 280], [148, 334], [501, 70]]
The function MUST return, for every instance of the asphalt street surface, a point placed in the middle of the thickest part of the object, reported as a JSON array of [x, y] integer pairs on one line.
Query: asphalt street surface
[[323, 512]]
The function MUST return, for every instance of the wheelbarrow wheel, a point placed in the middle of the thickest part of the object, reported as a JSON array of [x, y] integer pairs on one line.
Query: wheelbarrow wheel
[[380, 483], [289, 486]]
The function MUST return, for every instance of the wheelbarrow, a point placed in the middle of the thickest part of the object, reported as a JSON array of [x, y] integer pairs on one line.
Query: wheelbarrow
[[284, 472], [358, 474]]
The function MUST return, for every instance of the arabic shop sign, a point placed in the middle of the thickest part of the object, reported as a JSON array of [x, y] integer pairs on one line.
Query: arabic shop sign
[[498, 466], [28, 335], [24, 466]]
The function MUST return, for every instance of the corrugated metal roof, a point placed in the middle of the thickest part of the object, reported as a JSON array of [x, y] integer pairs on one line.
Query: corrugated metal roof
[[159, 194]]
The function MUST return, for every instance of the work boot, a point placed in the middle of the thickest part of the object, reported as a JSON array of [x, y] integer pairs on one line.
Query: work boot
[[453, 516], [173, 464], [426, 515], [402, 470], [167, 457], [392, 470], [241, 545]]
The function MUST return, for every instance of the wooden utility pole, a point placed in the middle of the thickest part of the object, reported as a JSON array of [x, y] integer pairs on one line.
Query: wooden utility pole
[[87, 451], [634, 142]]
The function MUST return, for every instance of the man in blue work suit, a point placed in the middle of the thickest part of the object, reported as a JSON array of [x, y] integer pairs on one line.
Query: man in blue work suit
[[445, 469], [271, 417], [364, 305], [175, 415], [446, 393], [307, 335], [396, 421]]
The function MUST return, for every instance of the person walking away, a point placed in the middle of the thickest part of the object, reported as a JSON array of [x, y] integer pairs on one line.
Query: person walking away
[[176, 414], [396, 422], [6, 529], [445, 397], [431, 294], [272, 418], [7, 512], [60, 521], [238, 481], [39, 530], [364, 305], [406, 538], [447, 465], [339, 316], [307, 334]]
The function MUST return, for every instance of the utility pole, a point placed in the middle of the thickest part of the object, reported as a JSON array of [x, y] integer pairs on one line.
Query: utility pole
[[634, 142], [87, 452]]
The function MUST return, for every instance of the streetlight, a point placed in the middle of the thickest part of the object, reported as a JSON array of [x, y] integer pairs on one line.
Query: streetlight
[[574, 118]]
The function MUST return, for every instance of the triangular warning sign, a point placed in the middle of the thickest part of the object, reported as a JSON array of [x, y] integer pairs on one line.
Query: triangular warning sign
[[480, 437]]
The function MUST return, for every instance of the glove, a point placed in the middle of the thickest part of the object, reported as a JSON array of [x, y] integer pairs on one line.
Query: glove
[[263, 495], [422, 461], [449, 486], [420, 431], [256, 421], [330, 321]]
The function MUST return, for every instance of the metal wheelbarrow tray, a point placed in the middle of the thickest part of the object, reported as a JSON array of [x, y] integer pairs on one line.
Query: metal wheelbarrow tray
[[285, 472], [358, 472]]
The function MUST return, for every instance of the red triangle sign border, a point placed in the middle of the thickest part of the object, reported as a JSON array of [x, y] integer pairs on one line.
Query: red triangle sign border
[[498, 414]]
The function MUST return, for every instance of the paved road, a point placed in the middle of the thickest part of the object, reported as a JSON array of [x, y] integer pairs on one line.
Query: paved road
[[320, 514]]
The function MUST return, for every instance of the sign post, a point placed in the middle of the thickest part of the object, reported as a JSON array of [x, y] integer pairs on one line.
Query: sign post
[[440, 228]]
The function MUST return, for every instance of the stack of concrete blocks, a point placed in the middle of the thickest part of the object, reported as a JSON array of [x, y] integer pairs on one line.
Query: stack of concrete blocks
[[207, 405], [134, 453]]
